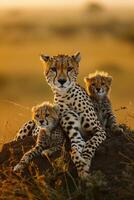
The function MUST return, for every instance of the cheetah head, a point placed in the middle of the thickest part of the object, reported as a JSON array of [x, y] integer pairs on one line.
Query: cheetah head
[[98, 84], [45, 115], [61, 71]]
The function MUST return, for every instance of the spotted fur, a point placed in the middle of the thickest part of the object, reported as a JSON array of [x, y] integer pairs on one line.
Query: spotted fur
[[27, 129], [76, 111], [50, 137], [98, 87]]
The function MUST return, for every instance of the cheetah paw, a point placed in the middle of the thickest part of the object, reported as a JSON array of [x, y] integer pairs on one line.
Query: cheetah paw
[[84, 174], [76, 156], [83, 170]]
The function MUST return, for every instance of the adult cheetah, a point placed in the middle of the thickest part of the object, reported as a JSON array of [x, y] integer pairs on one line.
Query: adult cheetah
[[76, 111]]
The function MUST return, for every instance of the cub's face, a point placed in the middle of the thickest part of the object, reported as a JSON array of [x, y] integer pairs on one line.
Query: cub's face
[[98, 86], [61, 71], [45, 115]]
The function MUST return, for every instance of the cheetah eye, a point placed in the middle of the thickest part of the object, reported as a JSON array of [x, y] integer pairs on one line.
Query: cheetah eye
[[69, 69], [53, 69], [103, 83], [36, 115], [47, 115]]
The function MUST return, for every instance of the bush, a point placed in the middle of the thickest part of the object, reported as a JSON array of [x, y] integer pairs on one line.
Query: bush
[[94, 8]]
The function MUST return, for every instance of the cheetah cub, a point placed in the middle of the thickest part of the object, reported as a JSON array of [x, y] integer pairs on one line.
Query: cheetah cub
[[98, 86], [32, 127], [50, 137]]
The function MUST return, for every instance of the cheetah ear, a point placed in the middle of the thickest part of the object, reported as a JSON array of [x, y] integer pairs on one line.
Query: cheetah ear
[[86, 79], [33, 108], [45, 58], [77, 57], [109, 78]]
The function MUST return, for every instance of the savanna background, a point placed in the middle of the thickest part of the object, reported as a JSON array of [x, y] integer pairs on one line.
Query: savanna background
[[102, 31]]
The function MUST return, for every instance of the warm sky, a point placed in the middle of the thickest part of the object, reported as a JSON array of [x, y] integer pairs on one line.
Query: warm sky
[[57, 3]]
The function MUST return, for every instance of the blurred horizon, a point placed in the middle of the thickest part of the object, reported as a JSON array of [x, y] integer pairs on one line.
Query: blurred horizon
[[59, 4], [103, 34]]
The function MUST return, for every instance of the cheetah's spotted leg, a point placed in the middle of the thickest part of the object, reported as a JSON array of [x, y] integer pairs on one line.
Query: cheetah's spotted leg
[[34, 152], [28, 157], [50, 151], [25, 130], [71, 124], [35, 131]]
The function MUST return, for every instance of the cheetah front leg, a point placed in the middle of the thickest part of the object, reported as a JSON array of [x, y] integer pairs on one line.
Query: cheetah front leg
[[70, 122], [50, 151], [41, 145], [25, 130], [28, 157]]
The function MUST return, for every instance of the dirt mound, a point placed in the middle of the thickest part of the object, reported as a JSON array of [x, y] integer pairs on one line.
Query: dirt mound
[[112, 169], [13, 151]]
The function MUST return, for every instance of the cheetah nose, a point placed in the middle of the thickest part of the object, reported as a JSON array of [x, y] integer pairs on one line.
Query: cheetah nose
[[98, 89], [41, 121], [62, 81]]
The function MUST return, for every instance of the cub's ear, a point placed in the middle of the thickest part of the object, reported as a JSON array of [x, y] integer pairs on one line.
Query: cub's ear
[[77, 57], [33, 108], [86, 79], [109, 79], [45, 58]]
